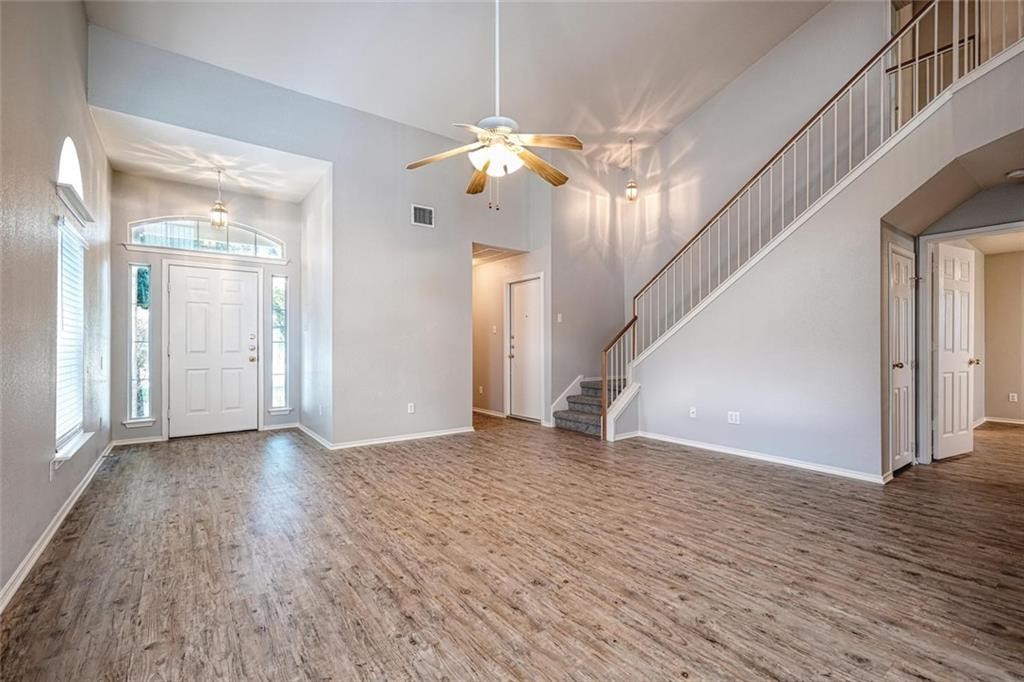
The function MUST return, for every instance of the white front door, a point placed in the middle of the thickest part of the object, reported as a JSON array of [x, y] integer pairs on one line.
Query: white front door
[[213, 350], [954, 411], [902, 424], [525, 349]]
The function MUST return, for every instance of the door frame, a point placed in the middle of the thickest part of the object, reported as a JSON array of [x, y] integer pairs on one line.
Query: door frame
[[895, 248], [507, 344], [926, 342], [165, 317]]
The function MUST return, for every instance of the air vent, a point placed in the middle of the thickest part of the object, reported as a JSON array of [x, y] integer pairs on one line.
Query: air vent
[[422, 216]]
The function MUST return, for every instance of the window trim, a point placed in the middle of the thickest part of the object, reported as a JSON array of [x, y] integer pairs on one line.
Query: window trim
[[286, 408], [68, 443], [138, 422], [130, 245]]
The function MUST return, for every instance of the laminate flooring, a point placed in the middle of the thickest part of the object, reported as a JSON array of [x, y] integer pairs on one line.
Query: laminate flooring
[[520, 552]]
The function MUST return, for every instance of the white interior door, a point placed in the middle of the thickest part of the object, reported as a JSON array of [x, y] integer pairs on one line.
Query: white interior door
[[213, 350], [954, 410], [525, 349], [902, 424]]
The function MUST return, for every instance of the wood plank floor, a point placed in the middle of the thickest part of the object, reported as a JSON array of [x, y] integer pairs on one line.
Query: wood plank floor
[[519, 552]]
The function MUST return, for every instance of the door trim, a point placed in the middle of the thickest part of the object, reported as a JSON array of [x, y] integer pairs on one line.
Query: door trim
[[896, 249], [926, 347], [506, 342], [165, 316]]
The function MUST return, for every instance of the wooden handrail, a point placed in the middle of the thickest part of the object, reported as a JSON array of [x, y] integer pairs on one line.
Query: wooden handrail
[[832, 100], [618, 336]]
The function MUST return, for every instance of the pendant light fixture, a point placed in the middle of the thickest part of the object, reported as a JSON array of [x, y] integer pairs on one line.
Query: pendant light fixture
[[219, 212], [632, 191]]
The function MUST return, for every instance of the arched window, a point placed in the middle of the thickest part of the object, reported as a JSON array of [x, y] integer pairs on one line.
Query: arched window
[[69, 171], [190, 233]]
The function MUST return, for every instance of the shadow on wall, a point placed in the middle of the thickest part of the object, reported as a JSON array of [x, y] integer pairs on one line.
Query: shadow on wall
[[668, 207]]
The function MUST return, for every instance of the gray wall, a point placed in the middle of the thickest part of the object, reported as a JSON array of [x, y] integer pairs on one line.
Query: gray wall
[[136, 198], [993, 206], [386, 274], [1004, 334], [317, 304], [43, 78], [690, 174], [795, 343], [586, 266]]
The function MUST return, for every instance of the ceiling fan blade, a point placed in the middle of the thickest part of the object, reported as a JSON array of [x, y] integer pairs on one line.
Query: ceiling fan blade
[[444, 155], [472, 128], [542, 168], [478, 181], [552, 141]]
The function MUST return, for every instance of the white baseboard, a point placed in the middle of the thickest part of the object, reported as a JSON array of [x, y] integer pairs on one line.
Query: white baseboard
[[628, 434], [380, 441], [278, 427], [763, 456], [1002, 420], [25, 567], [137, 441], [562, 401], [979, 422], [622, 401], [489, 413], [315, 436]]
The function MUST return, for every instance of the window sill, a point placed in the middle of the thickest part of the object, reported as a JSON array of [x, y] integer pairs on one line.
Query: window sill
[[279, 410], [71, 448], [138, 423]]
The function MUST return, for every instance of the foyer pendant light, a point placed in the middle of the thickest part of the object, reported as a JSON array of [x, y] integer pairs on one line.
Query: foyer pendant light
[[632, 191], [219, 212]]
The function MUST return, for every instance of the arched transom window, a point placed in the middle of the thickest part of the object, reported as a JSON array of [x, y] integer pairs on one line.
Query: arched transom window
[[190, 233]]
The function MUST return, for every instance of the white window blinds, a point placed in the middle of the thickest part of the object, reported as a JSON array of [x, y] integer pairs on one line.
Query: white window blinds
[[70, 336]]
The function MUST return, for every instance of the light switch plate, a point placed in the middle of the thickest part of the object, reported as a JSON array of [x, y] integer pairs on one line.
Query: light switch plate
[[734, 417], [693, 413], [412, 408], [1013, 397]]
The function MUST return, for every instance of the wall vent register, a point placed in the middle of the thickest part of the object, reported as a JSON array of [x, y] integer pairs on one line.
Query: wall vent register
[[422, 216]]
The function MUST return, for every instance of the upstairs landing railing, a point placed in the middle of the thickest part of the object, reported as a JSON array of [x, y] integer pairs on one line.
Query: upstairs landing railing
[[943, 42]]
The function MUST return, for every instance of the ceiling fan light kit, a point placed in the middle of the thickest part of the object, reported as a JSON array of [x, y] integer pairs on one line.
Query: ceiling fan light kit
[[500, 149]]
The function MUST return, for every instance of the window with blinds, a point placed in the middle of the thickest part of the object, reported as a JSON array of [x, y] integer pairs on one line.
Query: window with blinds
[[70, 336]]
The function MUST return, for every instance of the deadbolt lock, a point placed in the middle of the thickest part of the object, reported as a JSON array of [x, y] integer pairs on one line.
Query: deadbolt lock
[[898, 365]]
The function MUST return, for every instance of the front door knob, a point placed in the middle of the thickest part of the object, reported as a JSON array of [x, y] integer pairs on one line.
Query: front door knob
[[898, 365]]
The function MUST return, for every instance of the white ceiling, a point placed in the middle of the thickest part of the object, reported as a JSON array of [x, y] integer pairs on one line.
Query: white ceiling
[[144, 147], [603, 70], [992, 244]]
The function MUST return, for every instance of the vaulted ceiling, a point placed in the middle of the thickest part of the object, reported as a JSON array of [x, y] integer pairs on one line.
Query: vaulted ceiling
[[603, 70]]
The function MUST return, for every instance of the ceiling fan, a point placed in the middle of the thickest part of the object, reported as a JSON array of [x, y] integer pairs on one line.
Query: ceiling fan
[[500, 149]]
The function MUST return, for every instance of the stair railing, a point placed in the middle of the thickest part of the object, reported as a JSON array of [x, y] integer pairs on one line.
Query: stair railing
[[920, 62]]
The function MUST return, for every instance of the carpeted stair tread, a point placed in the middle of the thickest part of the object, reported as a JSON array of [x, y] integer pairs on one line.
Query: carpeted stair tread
[[580, 417], [585, 403]]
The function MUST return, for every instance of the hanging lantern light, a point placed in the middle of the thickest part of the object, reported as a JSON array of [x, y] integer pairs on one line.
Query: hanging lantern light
[[219, 212], [632, 191]]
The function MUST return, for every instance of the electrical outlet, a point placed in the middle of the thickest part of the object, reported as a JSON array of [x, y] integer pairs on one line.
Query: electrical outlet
[[734, 417], [494, 329], [1013, 397], [320, 410], [480, 390], [559, 317], [411, 408], [693, 413]]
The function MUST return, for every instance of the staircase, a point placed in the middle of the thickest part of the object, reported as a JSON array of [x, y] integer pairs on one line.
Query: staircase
[[584, 413], [941, 44]]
